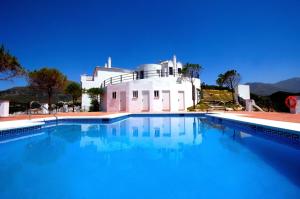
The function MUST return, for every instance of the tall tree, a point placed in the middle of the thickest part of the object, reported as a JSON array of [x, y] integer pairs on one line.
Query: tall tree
[[48, 80], [9, 65], [73, 89], [220, 80], [192, 71], [229, 79], [95, 94]]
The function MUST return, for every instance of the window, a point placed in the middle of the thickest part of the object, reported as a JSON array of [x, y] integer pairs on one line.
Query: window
[[158, 72], [170, 71], [156, 132], [114, 95], [135, 94], [156, 94], [179, 70], [114, 131], [135, 131], [141, 74]]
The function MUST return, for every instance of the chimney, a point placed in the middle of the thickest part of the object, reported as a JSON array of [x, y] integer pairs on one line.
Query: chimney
[[105, 66], [109, 62], [174, 62]]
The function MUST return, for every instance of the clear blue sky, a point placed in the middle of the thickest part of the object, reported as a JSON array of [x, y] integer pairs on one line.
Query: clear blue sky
[[260, 39]]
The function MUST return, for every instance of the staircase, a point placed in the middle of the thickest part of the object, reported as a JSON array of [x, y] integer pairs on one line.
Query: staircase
[[256, 106]]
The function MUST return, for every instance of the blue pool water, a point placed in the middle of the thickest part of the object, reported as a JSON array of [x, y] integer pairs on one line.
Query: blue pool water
[[148, 157]]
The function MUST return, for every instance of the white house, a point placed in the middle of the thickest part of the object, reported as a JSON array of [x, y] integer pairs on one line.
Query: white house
[[100, 74], [151, 87]]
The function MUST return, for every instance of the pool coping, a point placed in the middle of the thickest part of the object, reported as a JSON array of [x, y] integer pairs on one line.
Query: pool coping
[[240, 118], [20, 124], [24, 124]]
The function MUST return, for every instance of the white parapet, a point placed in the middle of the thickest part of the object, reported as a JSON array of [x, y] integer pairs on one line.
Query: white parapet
[[243, 91], [4, 108]]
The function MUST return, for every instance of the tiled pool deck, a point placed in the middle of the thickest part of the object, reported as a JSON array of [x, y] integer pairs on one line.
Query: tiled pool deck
[[283, 117]]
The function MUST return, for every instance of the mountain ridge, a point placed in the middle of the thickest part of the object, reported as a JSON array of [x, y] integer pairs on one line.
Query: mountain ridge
[[291, 85], [25, 94]]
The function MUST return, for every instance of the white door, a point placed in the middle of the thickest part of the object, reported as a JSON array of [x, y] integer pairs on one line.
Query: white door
[[122, 101], [165, 100], [181, 100], [145, 100]]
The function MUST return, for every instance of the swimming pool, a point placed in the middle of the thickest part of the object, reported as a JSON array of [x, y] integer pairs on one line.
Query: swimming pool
[[187, 156]]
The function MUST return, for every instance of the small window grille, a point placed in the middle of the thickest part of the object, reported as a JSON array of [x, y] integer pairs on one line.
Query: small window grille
[[135, 94], [114, 95], [156, 94]]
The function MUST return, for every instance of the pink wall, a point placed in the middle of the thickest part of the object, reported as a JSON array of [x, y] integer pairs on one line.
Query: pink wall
[[160, 84]]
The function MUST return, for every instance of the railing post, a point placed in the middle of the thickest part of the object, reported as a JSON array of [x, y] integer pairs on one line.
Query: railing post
[[104, 83], [121, 78], [111, 80]]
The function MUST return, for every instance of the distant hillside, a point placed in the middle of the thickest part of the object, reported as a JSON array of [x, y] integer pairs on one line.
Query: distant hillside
[[26, 94], [290, 85]]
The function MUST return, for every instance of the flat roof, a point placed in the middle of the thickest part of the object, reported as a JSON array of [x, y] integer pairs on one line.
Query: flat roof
[[113, 69]]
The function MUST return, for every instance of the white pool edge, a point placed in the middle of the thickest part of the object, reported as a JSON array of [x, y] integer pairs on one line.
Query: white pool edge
[[258, 121], [16, 124], [10, 125]]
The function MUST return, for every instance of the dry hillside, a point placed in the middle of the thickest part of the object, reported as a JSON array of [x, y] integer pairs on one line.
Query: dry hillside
[[210, 95]]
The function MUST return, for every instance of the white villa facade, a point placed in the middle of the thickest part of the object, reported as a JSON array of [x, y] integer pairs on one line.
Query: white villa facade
[[151, 87]]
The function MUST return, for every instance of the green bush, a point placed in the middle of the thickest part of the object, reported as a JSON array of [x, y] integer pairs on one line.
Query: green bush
[[95, 106], [201, 106]]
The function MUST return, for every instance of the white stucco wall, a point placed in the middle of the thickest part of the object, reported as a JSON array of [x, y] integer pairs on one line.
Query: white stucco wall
[[149, 67], [161, 84], [4, 108], [163, 67], [243, 91], [88, 82], [157, 81]]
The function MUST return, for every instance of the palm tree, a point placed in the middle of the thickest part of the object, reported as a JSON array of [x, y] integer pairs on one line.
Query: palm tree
[[230, 79]]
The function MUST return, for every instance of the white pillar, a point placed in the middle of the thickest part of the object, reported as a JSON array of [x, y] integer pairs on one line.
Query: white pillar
[[4, 108]]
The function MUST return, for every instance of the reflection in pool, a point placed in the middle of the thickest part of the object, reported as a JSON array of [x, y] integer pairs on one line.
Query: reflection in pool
[[148, 157]]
